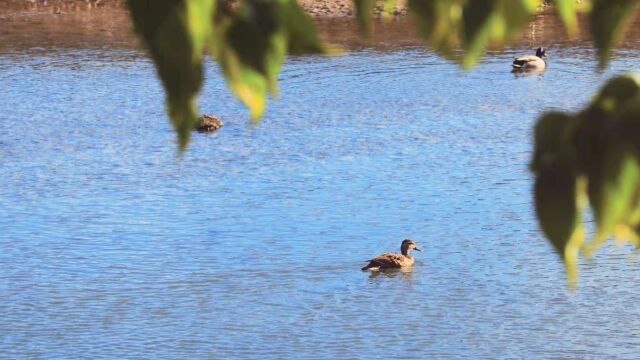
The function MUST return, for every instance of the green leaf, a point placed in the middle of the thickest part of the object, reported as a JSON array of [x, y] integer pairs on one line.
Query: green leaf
[[480, 20], [608, 158], [552, 140], [556, 178], [449, 24], [608, 19], [364, 12], [593, 136], [251, 47], [558, 189], [556, 193], [625, 90], [618, 91], [567, 10], [301, 32], [611, 192], [175, 32], [516, 14], [389, 7], [627, 93], [439, 22]]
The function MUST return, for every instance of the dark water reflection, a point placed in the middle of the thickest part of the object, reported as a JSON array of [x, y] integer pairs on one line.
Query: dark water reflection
[[250, 246], [110, 28]]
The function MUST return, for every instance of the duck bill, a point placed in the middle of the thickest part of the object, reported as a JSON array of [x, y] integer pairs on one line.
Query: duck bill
[[417, 249]]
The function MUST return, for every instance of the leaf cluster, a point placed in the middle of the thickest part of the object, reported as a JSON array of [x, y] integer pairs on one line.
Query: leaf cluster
[[250, 41], [590, 157]]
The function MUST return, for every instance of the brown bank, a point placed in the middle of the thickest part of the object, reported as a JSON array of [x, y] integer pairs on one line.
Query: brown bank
[[316, 8]]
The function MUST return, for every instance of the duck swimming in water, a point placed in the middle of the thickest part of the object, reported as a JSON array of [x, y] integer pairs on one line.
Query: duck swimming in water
[[531, 62], [394, 260], [208, 123]]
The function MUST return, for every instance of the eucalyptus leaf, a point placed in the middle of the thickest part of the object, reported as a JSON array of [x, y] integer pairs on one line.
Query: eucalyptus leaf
[[597, 149], [389, 7], [250, 49], [176, 32], [480, 19], [611, 192], [439, 22], [515, 14], [557, 207], [448, 25], [301, 32], [618, 91], [567, 10], [558, 188], [609, 19], [628, 114], [606, 155], [364, 12], [556, 178]]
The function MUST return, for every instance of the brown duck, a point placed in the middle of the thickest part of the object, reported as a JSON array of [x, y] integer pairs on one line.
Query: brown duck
[[394, 260], [208, 123]]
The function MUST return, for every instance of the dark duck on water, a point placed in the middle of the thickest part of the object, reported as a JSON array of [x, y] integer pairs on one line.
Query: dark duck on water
[[394, 260], [531, 62]]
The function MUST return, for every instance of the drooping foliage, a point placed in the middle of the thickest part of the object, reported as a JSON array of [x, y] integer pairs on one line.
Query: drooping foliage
[[251, 39], [176, 33], [250, 42], [608, 20], [449, 25], [591, 156]]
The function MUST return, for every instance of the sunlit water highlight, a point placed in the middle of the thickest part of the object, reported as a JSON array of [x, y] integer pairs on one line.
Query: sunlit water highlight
[[249, 246]]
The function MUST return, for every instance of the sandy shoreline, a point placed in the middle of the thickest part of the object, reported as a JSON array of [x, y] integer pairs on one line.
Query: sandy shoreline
[[316, 8]]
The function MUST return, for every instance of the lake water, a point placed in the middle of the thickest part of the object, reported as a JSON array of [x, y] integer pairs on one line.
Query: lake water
[[250, 245]]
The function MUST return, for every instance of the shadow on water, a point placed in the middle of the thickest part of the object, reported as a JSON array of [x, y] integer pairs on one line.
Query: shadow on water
[[521, 73], [405, 274]]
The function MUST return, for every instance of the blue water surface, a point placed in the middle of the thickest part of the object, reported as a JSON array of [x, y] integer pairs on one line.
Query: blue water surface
[[249, 245]]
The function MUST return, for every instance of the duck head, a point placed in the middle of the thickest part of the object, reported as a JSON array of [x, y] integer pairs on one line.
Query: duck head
[[407, 245], [541, 53]]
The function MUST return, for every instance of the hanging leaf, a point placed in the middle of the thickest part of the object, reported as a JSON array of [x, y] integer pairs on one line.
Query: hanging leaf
[[617, 92], [555, 195], [558, 189], [552, 140], [364, 12], [600, 145], [626, 90], [448, 25], [175, 32], [609, 19], [479, 21], [515, 14], [251, 45], [439, 22], [611, 193], [389, 7], [567, 9], [556, 200], [250, 48], [608, 160], [301, 33]]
